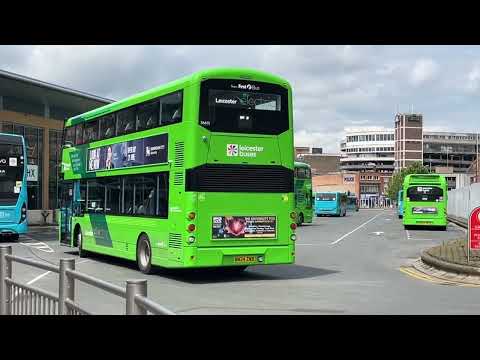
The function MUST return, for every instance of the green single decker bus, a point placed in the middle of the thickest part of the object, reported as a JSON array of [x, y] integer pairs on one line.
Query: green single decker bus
[[195, 173], [303, 193], [425, 200]]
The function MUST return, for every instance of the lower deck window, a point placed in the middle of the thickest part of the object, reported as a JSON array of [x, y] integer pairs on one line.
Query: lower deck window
[[141, 195]]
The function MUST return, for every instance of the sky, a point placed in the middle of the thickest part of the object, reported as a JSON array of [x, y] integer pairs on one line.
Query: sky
[[334, 87]]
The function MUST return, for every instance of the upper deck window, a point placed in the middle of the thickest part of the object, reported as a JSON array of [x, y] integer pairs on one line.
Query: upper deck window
[[79, 134], [243, 107], [107, 126], [147, 115], [171, 108], [302, 173], [90, 131], [70, 135], [125, 121]]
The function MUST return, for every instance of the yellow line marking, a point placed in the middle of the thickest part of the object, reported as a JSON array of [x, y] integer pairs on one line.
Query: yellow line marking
[[435, 280]]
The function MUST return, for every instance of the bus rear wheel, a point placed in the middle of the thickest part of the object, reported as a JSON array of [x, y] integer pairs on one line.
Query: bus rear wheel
[[300, 219], [144, 254]]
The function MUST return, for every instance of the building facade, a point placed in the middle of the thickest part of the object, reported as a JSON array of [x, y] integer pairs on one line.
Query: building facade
[[408, 139], [368, 149], [321, 164], [37, 110], [450, 150]]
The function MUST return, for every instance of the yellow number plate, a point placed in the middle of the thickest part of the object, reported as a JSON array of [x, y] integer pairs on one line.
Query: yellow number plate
[[244, 259]]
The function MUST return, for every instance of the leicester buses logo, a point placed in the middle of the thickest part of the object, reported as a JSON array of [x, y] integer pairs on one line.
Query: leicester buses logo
[[232, 149]]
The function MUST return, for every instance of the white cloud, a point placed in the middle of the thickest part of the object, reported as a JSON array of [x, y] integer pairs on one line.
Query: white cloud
[[333, 86], [473, 79], [423, 71]]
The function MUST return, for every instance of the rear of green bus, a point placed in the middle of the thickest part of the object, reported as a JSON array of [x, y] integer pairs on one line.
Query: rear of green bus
[[239, 187], [303, 193], [425, 200]]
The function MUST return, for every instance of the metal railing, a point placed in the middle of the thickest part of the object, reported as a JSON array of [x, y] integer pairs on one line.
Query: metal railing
[[23, 299]]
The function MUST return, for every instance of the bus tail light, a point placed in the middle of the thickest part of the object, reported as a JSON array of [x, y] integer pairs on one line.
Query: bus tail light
[[293, 215], [293, 226], [23, 214], [191, 227], [191, 239], [293, 237], [191, 215]]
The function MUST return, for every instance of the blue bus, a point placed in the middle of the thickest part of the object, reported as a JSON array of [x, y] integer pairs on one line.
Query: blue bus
[[352, 203], [331, 203], [13, 186], [400, 204]]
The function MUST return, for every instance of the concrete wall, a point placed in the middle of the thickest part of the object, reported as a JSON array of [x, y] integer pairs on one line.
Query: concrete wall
[[342, 182], [34, 217], [462, 201]]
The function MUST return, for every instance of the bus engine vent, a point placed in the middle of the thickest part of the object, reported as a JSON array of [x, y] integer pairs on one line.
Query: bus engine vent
[[178, 178], [175, 240], [240, 178], [179, 154]]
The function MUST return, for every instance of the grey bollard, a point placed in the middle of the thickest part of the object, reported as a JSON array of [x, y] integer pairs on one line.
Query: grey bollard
[[66, 285], [135, 287], [5, 272]]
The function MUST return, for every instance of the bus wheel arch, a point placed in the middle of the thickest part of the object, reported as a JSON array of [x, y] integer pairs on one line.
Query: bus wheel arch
[[300, 219], [144, 253]]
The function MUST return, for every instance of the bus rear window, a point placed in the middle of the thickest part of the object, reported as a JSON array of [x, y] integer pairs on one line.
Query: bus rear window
[[326, 197], [425, 193], [243, 107]]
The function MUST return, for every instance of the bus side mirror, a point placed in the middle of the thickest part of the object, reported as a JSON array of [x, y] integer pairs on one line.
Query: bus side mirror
[[67, 144]]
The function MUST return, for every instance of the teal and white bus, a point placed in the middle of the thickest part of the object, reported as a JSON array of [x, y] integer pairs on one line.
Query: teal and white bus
[[13, 186]]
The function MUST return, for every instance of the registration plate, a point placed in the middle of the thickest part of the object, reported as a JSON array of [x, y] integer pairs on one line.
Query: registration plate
[[244, 259]]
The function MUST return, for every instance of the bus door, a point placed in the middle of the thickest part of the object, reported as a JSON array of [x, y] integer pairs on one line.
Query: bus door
[[66, 212]]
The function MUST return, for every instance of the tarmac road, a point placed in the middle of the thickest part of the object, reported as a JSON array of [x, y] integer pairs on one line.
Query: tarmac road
[[345, 265]]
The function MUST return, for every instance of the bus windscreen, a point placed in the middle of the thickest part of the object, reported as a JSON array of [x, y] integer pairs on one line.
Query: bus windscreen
[[425, 193], [326, 197], [11, 173]]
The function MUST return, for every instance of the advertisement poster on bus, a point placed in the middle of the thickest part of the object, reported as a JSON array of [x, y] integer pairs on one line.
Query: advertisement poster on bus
[[241, 227], [146, 151]]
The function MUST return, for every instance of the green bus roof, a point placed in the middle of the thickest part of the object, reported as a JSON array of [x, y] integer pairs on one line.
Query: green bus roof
[[227, 73], [425, 179], [299, 164]]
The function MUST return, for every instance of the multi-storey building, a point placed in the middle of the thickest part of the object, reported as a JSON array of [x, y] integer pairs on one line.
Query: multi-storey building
[[368, 149], [408, 139], [449, 149]]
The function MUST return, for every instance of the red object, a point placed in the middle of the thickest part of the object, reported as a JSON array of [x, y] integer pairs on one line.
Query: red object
[[474, 229], [191, 228], [293, 226]]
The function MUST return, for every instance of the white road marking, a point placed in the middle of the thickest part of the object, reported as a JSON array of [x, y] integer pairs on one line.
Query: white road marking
[[351, 232], [38, 246], [40, 277], [378, 233], [408, 235]]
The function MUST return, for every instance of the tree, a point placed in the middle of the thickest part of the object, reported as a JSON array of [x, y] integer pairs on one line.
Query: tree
[[396, 182]]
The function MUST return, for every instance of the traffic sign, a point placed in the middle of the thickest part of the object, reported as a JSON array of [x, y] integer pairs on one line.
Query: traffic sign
[[474, 231]]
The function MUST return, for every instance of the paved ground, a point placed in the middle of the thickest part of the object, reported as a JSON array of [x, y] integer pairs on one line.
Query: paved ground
[[360, 264]]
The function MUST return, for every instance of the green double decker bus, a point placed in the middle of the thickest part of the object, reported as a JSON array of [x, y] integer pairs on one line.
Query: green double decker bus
[[195, 173], [425, 200], [303, 193]]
